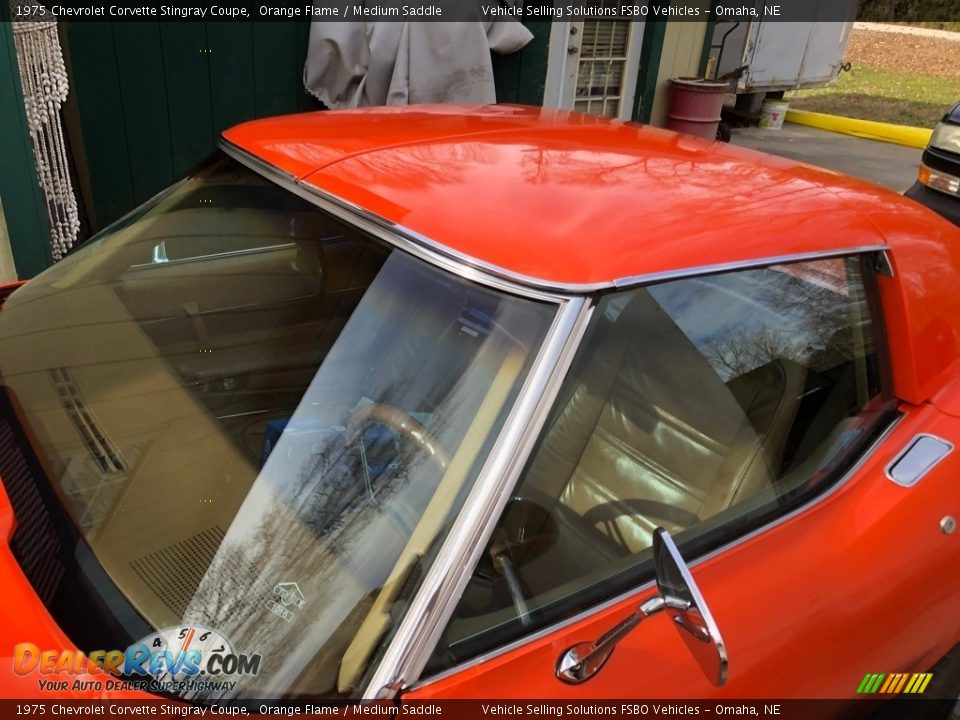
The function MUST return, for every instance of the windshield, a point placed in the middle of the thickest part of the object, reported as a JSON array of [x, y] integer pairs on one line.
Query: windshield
[[259, 421]]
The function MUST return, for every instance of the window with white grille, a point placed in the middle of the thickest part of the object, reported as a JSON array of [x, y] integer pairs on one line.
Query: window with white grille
[[601, 69], [593, 66]]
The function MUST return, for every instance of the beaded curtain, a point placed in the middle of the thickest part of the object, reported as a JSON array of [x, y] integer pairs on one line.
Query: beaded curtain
[[43, 76]]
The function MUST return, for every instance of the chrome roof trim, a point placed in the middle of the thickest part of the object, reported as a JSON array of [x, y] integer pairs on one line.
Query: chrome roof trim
[[700, 270], [406, 240], [255, 163], [429, 249], [649, 585], [435, 600]]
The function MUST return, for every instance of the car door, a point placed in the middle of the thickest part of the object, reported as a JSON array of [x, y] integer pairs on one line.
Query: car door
[[750, 414]]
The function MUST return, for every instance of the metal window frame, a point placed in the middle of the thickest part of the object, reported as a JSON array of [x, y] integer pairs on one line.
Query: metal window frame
[[409, 650]]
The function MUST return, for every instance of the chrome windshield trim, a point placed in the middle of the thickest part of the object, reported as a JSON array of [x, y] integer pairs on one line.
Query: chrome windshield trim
[[639, 590], [395, 235], [466, 266], [434, 602]]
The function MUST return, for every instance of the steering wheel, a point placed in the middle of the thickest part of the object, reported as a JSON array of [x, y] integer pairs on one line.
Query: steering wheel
[[409, 428]]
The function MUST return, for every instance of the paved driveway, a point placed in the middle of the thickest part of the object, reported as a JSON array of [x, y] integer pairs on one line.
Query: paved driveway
[[893, 166]]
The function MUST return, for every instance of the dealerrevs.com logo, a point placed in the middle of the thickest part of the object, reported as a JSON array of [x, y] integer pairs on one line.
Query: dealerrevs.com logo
[[177, 660]]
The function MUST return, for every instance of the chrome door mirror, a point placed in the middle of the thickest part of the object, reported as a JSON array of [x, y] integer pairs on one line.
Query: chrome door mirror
[[681, 598], [687, 608]]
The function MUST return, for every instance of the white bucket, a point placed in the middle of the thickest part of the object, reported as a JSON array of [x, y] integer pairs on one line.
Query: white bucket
[[772, 113]]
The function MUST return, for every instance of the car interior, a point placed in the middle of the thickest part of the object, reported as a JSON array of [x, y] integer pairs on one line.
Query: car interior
[[656, 428]]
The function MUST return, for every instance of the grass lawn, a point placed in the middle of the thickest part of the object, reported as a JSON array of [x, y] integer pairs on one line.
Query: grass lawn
[[883, 94]]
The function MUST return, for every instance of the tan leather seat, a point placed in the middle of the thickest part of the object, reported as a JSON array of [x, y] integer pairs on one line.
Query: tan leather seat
[[650, 434]]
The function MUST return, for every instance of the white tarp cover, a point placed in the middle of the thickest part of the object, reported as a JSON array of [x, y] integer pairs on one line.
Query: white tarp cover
[[354, 64]]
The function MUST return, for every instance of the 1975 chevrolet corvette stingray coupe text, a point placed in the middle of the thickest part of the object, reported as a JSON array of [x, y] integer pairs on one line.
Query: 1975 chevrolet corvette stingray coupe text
[[487, 402]]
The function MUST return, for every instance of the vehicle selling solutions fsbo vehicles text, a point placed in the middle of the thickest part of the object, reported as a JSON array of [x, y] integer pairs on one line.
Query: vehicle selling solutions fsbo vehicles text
[[559, 12]]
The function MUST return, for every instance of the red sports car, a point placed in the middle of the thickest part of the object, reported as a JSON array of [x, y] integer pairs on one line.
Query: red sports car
[[500, 402]]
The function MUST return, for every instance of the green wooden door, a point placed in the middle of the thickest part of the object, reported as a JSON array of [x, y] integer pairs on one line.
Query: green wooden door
[[520, 77], [152, 98]]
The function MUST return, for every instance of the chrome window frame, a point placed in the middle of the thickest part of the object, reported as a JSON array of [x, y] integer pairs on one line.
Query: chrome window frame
[[432, 605], [423, 622], [637, 592], [472, 268]]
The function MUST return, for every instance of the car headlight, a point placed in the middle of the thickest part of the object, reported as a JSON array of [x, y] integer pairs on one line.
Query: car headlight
[[946, 137], [938, 180]]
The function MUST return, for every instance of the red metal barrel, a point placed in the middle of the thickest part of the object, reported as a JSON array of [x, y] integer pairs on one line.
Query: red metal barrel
[[695, 106]]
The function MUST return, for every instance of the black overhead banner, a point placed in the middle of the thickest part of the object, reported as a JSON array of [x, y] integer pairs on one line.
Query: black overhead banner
[[467, 10]]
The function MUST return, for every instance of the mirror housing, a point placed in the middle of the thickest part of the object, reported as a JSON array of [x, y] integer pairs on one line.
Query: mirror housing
[[679, 595], [688, 609]]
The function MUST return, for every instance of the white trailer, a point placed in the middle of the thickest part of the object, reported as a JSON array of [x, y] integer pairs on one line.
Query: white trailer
[[780, 55]]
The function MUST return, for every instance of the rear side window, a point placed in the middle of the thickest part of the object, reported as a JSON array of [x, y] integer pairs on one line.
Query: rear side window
[[707, 406]]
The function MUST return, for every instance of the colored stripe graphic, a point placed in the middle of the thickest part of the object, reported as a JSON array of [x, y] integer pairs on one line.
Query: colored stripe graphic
[[894, 683], [891, 679], [918, 683]]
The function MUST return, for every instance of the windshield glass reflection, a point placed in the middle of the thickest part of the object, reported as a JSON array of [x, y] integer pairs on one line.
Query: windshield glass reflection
[[260, 420]]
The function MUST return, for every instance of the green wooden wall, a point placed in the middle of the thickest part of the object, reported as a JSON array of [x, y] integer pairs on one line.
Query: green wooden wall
[[151, 98], [520, 77], [19, 190]]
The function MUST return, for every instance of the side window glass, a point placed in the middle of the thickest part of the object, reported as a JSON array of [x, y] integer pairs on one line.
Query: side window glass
[[707, 406]]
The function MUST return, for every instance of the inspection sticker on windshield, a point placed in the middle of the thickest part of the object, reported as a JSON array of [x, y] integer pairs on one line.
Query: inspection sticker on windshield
[[285, 595]]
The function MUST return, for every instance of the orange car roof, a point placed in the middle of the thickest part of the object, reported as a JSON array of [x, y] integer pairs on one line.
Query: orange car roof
[[569, 199]]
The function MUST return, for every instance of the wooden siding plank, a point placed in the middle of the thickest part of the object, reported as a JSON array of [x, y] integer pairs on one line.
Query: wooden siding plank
[[143, 95], [278, 71], [232, 78], [650, 53], [533, 64], [506, 77], [96, 85], [186, 60], [305, 101]]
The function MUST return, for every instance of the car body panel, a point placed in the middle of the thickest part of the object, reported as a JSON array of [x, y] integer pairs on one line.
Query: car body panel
[[573, 200], [613, 189], [806, 606], [23, 618]]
